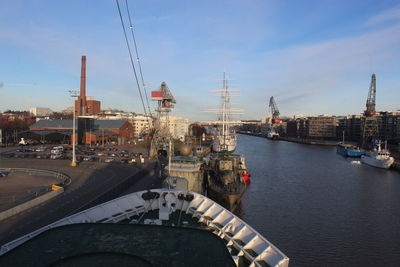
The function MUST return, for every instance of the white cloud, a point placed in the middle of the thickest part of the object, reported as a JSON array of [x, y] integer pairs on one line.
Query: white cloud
[[391, 14]]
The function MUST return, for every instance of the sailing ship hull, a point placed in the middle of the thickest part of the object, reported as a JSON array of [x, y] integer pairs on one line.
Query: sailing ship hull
[[229, 145], [379, 163]]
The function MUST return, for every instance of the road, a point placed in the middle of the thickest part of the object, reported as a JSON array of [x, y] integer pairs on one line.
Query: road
[[92, 183]]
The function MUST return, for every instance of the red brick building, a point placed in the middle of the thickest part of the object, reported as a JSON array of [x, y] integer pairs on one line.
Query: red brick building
[[96, 131]]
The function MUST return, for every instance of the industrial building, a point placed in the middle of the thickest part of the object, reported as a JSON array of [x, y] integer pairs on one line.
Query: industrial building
[[89, 131]]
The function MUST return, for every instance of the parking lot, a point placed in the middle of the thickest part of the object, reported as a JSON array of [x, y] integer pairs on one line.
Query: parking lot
[[129, 154]]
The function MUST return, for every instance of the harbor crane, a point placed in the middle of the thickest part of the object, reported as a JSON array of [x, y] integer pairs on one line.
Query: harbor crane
[[370, 111], [162, 136], [370, 128], [274, 112], [274, 120]]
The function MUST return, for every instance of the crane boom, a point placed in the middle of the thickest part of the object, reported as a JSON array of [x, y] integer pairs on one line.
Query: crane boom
[[371, 100], [274, 111]]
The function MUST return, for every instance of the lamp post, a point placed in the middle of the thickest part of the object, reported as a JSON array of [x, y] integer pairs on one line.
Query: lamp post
[[73, 94]]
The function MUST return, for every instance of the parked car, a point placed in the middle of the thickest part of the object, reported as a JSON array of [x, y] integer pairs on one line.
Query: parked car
[[124, 161], [109, 159], [89, 158], [57, 156], [3, 174]]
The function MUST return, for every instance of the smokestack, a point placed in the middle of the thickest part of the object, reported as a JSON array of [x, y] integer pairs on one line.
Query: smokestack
[[82, 97]]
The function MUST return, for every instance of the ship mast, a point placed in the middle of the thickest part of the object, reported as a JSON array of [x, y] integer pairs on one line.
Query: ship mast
[[225, 107]]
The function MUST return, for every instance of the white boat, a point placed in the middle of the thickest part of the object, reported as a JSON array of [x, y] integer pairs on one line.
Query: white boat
[[378, 157], [154, 227], [273, 135]]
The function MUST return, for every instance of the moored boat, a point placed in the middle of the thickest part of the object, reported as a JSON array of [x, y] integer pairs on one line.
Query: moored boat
[[273, 135], [227, 179], [378, 157], [186, 173], [349, 150]]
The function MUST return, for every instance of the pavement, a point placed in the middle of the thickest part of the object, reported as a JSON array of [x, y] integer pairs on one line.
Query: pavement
[[16, 187], [91, 183]]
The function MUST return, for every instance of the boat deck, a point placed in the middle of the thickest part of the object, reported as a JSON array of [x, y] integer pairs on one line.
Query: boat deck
[[104, 244]]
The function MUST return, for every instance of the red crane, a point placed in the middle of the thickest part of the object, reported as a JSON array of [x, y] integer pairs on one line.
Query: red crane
[[274, 112]]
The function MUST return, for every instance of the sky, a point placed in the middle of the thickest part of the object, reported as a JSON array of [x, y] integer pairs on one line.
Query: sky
[[314, 57]]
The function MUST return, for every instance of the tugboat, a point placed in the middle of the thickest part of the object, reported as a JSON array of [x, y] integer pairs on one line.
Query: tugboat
[[227, 179], [378, 157]]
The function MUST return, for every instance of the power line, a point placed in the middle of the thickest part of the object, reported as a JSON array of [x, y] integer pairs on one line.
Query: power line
[[131, 58], [137, 55]]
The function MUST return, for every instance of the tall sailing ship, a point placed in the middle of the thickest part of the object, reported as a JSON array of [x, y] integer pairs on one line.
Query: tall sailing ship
[[227, 173], [226, 139]]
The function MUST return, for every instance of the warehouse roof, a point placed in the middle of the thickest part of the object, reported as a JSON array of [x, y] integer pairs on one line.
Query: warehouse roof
[[108, 124], [60, 124], [67, 124]]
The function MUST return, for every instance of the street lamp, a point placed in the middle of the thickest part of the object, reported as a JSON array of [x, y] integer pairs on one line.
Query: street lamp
[[73, 94]]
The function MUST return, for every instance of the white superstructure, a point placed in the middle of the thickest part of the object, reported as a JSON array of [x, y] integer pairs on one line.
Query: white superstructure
[[378, 157]]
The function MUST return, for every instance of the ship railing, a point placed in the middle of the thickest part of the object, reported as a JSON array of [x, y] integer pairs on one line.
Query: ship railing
[[63, 178], [248, 242]]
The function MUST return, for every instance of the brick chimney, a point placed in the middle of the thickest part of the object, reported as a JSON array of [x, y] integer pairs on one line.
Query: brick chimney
[[82, 97]]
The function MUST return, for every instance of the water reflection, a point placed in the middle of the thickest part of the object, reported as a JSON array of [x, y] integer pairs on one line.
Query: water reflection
[[319, 207]]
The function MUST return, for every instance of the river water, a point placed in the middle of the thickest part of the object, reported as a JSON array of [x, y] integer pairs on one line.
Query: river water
[[320, 208]]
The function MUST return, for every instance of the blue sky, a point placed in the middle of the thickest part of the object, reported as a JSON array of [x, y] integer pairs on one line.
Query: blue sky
[[314, 57]]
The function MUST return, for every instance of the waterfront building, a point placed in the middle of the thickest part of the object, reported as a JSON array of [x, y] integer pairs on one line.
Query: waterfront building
[[178, 127], [292, 128], [316, 127], [40, 112], [389, 126], [141, 125]]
